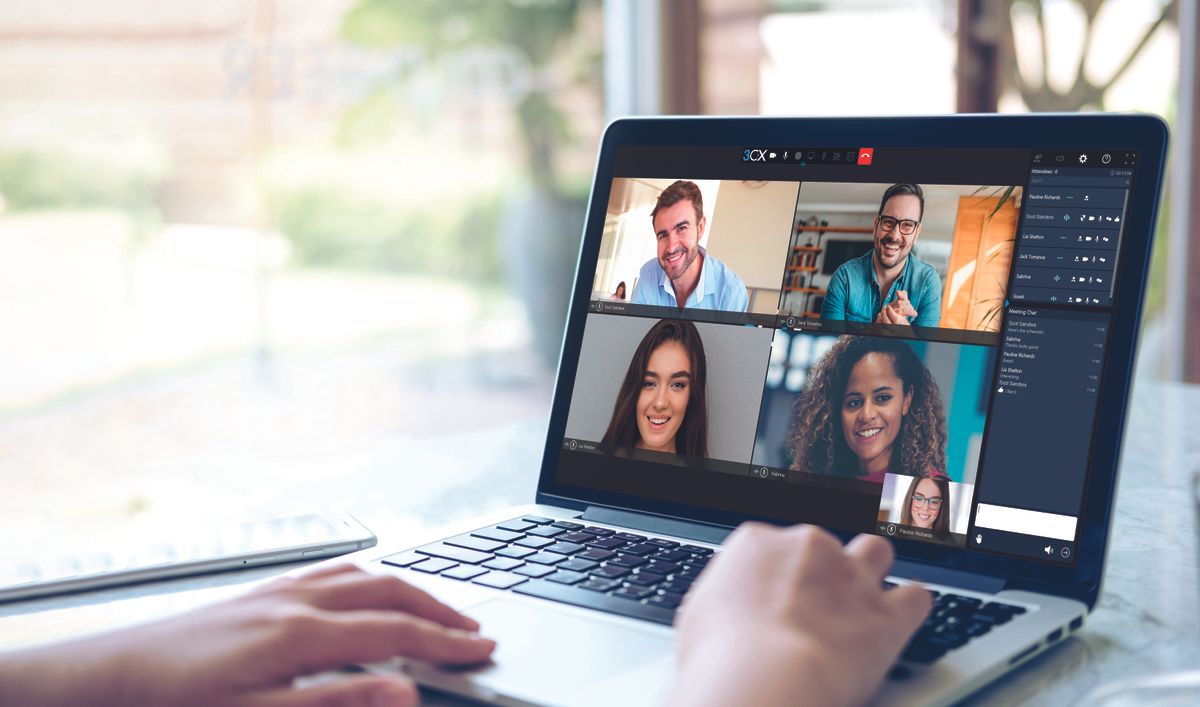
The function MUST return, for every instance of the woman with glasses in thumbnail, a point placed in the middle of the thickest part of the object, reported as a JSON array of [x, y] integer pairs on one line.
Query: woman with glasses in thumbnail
[[870, 408], [928, 506], [662, 405]]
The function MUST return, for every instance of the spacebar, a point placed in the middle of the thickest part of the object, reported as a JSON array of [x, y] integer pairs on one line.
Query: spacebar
[[595, 600]]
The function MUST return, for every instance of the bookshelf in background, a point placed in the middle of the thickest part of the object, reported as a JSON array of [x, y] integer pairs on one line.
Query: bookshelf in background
[[802, 262]]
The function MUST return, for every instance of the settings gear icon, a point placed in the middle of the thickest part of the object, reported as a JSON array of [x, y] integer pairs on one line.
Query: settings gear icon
[[1083, 159]]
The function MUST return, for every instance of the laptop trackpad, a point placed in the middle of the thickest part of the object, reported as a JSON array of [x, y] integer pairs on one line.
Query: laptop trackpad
[[548, 656]]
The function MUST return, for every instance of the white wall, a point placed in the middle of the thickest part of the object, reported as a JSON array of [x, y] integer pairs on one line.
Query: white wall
[[751, 227]]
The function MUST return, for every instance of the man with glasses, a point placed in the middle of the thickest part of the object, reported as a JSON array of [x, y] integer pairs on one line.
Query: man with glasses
[[889, 284]]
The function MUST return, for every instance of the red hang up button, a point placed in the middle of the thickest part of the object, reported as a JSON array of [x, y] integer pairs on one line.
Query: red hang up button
[[865, 154]]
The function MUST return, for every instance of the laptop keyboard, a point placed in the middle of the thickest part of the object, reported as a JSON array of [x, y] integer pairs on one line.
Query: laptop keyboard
[[564, 561], [954, 620], [641, 577]]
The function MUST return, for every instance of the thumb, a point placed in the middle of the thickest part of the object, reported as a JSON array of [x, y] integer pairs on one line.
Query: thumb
[[902, 294], [909, 606], [368, 691]]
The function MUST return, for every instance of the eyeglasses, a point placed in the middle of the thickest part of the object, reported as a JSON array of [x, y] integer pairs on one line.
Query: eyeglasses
[[919, 500], [907, 225]]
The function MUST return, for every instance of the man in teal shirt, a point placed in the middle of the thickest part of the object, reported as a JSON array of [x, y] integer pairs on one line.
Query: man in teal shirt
[[889, 284], [684, 274]]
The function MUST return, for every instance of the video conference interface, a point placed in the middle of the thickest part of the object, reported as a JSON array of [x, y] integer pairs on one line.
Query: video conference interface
[[900, 341]]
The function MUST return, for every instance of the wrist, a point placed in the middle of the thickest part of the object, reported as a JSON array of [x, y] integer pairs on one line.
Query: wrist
[[759, 671], [59, 674]]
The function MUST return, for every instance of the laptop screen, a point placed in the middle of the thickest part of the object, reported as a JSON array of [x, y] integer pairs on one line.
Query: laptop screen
[[900, 341]]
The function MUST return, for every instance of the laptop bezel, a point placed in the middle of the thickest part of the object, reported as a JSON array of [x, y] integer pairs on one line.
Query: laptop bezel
[[1145, 133]]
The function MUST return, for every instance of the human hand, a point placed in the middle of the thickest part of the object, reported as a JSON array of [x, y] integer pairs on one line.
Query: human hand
[[248, 650], [898, 311], [902, 304], [783, 616]]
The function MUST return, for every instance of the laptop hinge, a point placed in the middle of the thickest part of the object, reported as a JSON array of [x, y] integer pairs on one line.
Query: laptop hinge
[[656, 524], [987, 584]]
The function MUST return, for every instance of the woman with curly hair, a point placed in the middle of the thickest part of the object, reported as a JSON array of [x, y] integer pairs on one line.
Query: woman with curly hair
[[661, 405], [870, 408]]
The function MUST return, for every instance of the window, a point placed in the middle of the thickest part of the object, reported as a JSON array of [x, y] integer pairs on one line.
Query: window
[[249, 251]]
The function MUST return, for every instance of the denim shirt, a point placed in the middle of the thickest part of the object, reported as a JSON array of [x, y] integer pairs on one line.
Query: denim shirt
[[718, 287], [853, 292]]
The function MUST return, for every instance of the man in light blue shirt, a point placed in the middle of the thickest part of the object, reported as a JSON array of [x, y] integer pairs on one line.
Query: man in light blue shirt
[[889, 284], [684, 274]]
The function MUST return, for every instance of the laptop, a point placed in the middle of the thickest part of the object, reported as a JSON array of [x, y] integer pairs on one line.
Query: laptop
[[922, 328]]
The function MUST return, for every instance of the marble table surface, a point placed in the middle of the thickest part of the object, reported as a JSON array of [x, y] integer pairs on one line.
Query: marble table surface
[[1147, 621]]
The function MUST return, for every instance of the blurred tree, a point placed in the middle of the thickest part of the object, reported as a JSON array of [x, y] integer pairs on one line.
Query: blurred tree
[[1039, 94], [535, 29], [540, 227]]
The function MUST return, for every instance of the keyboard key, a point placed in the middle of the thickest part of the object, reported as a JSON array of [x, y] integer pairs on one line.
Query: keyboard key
[[567, 525], [516, 553], [994, 619], [458, 554], [434, 565], [664, 544], [473, 543], [564, 548], [536, 543], [644, 579], [563, 577], [579, 537], [610, 572], [692, 561], [922, 653], [663, 567], [404, 559], [633, 592], [899, 672], [596, 554], [575, 564], [998, 609], [546, 531], [578, 596], [504, 536], [640, 549], [671, 555], [538, 520], [666, 600], [543, 558], [697, 550], [504, 564], [499, 580], [960, 600], [630, 537], [535, 570], [679, 586], [626, 561], [600, 585], [940, 616], [515, 526], [464, 572], [606, 543], [690, 571], [977, 628], [950, 640], [596, 530]]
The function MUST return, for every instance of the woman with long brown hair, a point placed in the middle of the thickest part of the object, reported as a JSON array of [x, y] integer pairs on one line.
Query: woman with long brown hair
[[928, 505], [661, 405], [870, 408]]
